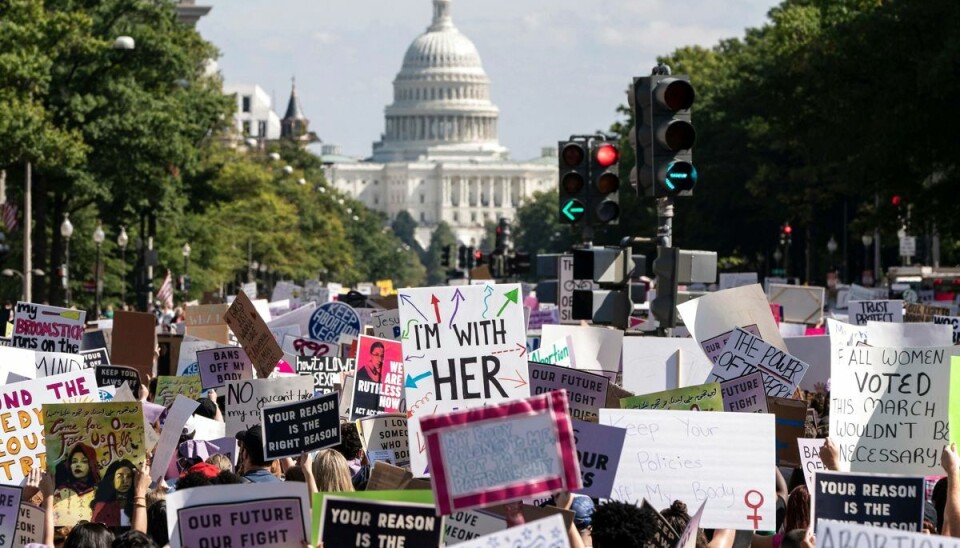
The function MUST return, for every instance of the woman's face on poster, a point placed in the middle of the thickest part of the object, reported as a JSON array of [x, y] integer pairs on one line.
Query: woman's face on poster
[[123, 480], [79, 465]]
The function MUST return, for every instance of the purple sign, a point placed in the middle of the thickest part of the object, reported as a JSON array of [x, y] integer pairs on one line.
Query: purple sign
[[9, 508], [275, 522], [586, 392], [744, 394], [598, 447], [219, 365], [540, 317]]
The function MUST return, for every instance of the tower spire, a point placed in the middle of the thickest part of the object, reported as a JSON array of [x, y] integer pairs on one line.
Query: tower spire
[[441, 15]]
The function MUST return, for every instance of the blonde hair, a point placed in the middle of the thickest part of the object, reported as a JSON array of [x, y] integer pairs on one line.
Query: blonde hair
[[221, 461], [331, 472]]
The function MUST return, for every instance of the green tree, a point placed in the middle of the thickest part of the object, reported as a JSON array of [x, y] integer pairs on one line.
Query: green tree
[[442, 237]]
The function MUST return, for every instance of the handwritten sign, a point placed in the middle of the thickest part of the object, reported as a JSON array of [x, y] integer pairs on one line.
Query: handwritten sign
[[219, 365], [275, 515], [169, 387], [549, 532], [470, 524], [47, 328], [744, 354], [332, 320], [9, 510], [379, 381], [556, 353], [30, 526], [598, 448], [57, 363], [386, 324], [716, 315], [952, 321], [246, 398], [889, 407], [586, 392], [352, 521], [501, 453], [744, 394], [463, 347], [254, 335], [870, 499], [295, 345], [306, 425], [539, 318], [810, 458], [703, 397], [386, 433], [187, 363], [325, 371], [860, 312], [697, 457]]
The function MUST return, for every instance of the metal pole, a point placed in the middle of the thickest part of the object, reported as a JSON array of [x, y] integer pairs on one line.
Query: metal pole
[[149, 273], [27, 234], [665, 221], [123, 276], [66, 274], [99, 281]]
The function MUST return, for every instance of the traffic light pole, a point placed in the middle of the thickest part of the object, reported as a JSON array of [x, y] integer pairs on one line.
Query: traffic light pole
[[665, 221]]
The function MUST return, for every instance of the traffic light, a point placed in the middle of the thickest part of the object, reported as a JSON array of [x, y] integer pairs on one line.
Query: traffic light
[[498, 265], [471, 258], [574, 171], [504, 240], [446, 255], [675, 266], [519, 263], [462, 257], [604, 199], [786, 234], [663, 135], [478, 257]]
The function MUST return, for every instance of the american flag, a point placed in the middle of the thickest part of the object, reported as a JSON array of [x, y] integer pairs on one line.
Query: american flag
[[9, 212], [165, 293]]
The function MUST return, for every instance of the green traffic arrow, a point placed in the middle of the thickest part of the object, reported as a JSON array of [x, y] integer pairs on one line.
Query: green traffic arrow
[[569, 209]]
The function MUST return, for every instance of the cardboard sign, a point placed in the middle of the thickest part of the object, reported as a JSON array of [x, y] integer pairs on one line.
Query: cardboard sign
[[386, 433], [306, 425], [47, 328], [134, 341], [386, 324], [118, 375], [325, 371], [206, 314], [697, 457], [860, 312], [810, 460], [745, 354], [30, 525], [556, 353], [219, 365], [470, 524], [705, 397], [463, 347], [598, 448], [168, 388], [23, 402], [330, 321], [586, 392], [253, 334], [501, 453], [744, 394], [95, 357], [889, 407], [801, 303], [106, 442], [353, 521], [379, 380], [9, 510], [923, 313], [870, 499], [57, 363], [549, 532], [791, 422], [275, 515], [246, 398]]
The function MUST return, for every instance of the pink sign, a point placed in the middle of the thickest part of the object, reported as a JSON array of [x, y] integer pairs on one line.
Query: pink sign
[[501, 453], [379, 380]]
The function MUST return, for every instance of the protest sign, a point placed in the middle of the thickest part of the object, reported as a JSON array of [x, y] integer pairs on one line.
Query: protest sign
[[95, 357], [704, 397], [30, 525], [889, 407], [386, 433], [566, 285], [815, 351], [468, 352], [134, 341], [169, 387], [246, 398], [93, 452], [744, 354], [744, 394], [860, 312], [501, 453], [57, 363], [298, 319], [697, 457], [555, 353], [598, 449], [953, 322], [180, 412], [219, 365], [386, 476], [331, 320], [9, 512], [22, 448], [916, 335], [730, 280], [688, 538], [346, 519], [540, 317], [386, 324], [294, 427], [93, 339], [205, 314], [549, 532], [275, 515], [117, 375], [791, 421], [801, 303], [596, 348], [869, 499], [18, 361], [923, 313], [253, 334], [834, 534], [470, 524], [187, 363], [663, 533], [325, 371], [295, 345], [47, 328], [379, 380], [660, 363], [711, 318], [586, 392], [810, 460]]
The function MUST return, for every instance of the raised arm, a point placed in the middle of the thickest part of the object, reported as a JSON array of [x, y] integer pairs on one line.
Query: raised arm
[[951, 512]]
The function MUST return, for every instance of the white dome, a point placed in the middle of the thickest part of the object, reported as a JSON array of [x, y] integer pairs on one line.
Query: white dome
[[441, 49]]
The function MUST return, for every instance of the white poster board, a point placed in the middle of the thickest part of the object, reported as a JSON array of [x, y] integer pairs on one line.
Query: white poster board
[[860, 312], [655, 364], [596, 348], [801, 303], [246, 398]]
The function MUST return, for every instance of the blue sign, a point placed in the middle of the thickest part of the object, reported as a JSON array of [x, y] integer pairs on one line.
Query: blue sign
[[331, 320]]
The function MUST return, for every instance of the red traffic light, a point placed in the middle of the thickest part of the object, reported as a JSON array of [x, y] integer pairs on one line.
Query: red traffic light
[[896, 200], [607, 155], [478, 255], [787, 229]]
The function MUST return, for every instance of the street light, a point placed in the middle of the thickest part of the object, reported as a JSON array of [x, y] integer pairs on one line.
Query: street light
[[9, 272], [66, 230], [98, 237], [832, 245], [122, 241]]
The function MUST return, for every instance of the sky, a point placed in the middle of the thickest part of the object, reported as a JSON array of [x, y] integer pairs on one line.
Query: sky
[[557, 67]]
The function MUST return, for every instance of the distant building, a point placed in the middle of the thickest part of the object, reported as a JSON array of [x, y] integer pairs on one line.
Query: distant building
[[439, 157], [295, 125], [189, 13], [254, 115]]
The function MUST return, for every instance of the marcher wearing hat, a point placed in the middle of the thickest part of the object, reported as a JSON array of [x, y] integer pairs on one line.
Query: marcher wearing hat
[[256, 468]]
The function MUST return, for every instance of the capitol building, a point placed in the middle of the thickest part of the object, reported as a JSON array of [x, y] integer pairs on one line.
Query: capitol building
[[439, 157]]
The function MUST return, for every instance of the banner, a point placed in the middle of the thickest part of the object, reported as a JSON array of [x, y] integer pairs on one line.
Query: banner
[[744, 394], [246, 398], [325, 370], [169, 387], [549, 532], [586, 392], [253, 334], [379, 381], [697, 457], [275, 515], [463, 347], [598, 448], [307, 425], [860, 312], [353, 521], [744, 354], [386, 433], [501, 453], [330, 321], [889, 407], [118, 375], [895, 502], [9, 510], [704, 397], [219, 365]]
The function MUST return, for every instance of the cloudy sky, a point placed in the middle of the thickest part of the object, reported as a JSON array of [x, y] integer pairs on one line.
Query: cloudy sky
[[557, 66]]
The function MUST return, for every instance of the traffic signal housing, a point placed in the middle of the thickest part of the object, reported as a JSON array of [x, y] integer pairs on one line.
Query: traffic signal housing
[[462, 257], [446, 256], [604, 191], [574, 163], [675, 266], [664, 135]]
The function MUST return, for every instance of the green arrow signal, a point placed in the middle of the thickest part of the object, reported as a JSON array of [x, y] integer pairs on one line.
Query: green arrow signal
[[572, 210]]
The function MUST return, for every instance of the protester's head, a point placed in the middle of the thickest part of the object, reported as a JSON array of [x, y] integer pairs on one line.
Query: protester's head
[[252, 444], [622, 525], [939, 499], [295, 473], [194, 479], [331, 472], [221, 461], [582, 508], [350, 446], [79, 470], [157, 523], [798, 509], [227, 477], [89, 535], [678, 517], [376, 357], [133, 539]]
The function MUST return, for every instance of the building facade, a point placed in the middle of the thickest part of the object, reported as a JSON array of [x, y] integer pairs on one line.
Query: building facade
[[254, 116]]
